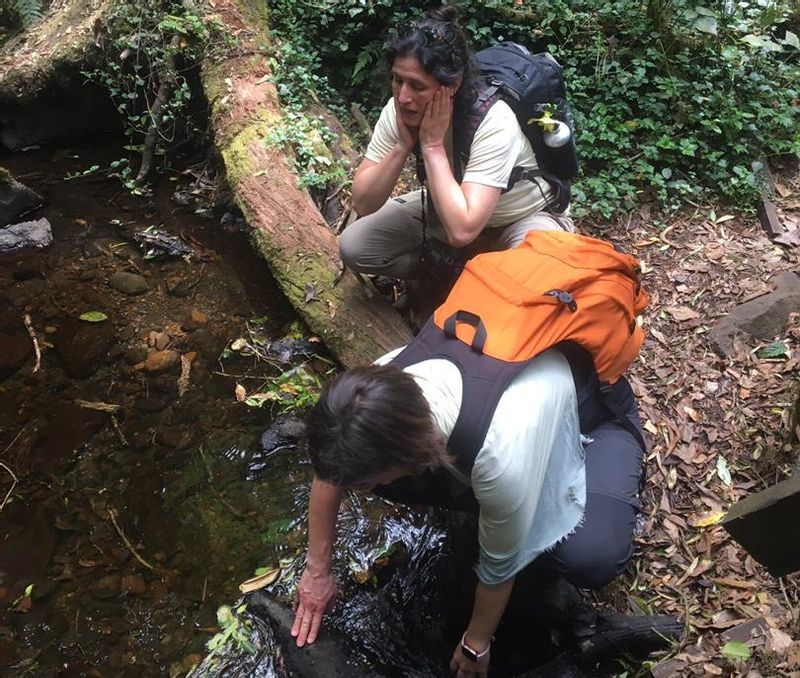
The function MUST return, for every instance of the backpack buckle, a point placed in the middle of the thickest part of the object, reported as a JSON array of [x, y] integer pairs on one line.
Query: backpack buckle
[[565, 298]]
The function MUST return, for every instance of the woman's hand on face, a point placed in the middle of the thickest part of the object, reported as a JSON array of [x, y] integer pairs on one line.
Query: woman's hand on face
[[315, 594], [437, 118], [408, 136]]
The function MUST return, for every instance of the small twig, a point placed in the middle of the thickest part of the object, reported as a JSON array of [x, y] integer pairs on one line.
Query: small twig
[[98, 406], [13, 485], [206, 463], [32, 333], [121, 435], [785, 597], [113, 515], [205, 586], [11, 444]]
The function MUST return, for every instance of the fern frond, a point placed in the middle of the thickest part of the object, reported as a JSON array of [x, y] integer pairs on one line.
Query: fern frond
[[28, 11]]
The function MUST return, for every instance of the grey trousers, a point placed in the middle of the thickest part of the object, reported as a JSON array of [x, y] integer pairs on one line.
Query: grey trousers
[[389, 242]]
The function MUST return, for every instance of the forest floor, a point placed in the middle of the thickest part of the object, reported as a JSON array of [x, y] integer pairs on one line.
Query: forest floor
[[719, 428]]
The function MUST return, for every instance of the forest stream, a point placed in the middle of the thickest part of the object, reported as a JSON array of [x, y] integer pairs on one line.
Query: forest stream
[[139, 491]]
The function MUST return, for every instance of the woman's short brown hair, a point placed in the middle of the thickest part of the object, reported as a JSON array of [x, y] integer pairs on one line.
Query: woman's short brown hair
[[368, 420]]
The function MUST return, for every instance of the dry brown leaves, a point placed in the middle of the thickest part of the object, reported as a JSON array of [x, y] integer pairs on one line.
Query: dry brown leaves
[[718, 429]]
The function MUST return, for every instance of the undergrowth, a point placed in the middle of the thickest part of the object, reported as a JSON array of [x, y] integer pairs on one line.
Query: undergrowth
[[673, 101], [152, 50]]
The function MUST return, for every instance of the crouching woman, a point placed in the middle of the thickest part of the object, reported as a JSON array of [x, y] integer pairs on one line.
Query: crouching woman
[[409, 429]]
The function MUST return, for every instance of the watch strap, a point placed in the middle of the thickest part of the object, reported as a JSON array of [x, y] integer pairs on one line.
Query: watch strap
[[473, 655]]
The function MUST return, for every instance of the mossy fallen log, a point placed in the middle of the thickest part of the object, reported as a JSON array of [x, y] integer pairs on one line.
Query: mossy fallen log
[[51, 50], [289, 230]]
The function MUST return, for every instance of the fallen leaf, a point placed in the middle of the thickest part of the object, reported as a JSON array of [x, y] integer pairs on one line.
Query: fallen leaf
[[240, 392], [706, 519], [93, 317], [735, 651], [310, 292], [723, 471], [779, 641], [260, 581], [682, 312]]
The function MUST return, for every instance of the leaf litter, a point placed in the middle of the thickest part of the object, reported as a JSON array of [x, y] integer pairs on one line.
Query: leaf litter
[[719, 428]]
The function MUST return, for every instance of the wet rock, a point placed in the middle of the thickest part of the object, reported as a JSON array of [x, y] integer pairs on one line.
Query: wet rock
[[128, 283], [68, 427], [194, 320], [134, 356], [160, 361], [107, 587], [43, 589], [26, 234], [83, 346], [176, 439], [166, 384], [161, 340], [326, 657], [287, 431], [180, 287], [15, 198], [14, 351], [208, 344], [133, 584]]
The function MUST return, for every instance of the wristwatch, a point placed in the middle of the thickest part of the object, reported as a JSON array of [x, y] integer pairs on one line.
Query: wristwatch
[[471, 654]]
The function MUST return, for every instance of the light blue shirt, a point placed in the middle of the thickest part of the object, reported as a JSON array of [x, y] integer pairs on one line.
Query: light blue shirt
[[529, 476]]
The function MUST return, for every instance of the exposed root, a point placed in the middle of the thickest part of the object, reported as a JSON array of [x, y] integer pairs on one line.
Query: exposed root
[[32, 333], [113, 515], [13, 484]]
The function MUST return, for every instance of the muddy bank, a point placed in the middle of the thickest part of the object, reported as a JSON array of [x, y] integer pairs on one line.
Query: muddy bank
[[138, 493]]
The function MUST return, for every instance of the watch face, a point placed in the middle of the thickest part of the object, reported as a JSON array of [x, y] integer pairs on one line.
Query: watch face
[[469, 653]]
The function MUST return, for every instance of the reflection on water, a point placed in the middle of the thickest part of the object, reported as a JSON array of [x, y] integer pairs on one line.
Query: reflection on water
[[401, 599]]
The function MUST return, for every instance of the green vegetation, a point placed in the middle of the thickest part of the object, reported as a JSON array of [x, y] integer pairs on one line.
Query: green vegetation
[[673, 100], [151, 52], [21, 13]]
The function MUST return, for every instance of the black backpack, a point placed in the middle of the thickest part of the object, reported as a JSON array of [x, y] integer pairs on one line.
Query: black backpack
[[533, 86]]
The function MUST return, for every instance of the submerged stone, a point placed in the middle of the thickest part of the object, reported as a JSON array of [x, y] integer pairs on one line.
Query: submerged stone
[[128, 283], [26, 234]]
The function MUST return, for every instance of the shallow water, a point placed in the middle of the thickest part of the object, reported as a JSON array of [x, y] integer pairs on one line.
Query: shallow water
[[181, 472], [134, 527]]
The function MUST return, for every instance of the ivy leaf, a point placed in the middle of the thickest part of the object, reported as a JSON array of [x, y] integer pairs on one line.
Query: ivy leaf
[[792, 40], [93, 316], [777, 349], [734, 651], [706, 24]]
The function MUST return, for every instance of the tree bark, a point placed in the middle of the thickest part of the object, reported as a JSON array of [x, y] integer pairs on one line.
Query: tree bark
[[288, 229]]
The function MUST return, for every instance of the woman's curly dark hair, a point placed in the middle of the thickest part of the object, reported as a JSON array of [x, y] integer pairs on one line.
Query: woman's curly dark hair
[[440, 46]]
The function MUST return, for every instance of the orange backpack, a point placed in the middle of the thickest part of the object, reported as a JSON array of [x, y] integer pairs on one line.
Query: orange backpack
[[554, 287]]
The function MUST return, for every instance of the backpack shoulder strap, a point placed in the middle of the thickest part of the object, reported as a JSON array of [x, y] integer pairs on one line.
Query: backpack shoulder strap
[[466, 121]]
